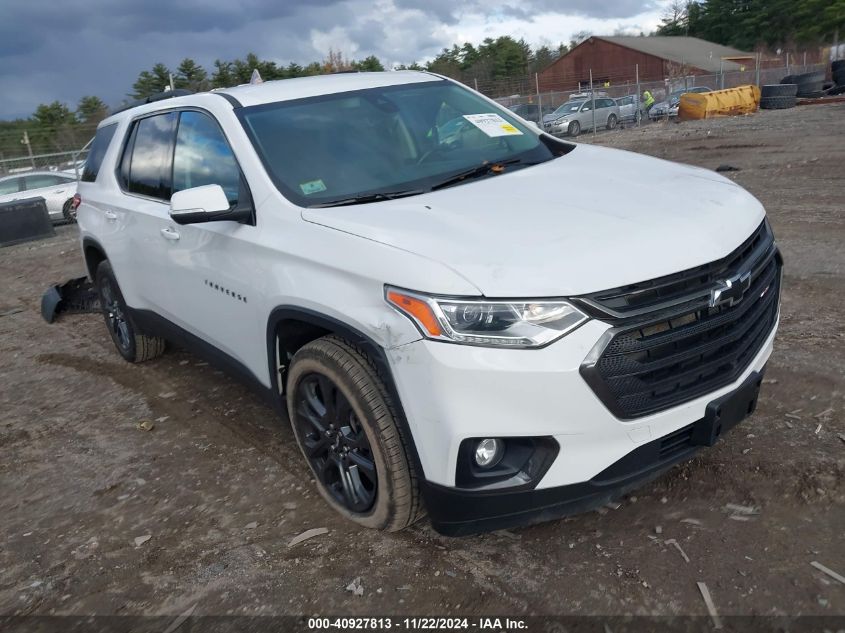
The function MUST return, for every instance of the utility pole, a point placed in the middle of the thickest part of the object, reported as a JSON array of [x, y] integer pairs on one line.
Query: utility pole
[[757, 72], [638, 101], [25, 141], [593, 99]]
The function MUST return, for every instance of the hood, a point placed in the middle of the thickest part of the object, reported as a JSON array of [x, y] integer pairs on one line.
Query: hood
[[593, 219]]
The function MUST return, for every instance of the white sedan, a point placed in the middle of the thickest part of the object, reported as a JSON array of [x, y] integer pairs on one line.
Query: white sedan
[[56, 188]]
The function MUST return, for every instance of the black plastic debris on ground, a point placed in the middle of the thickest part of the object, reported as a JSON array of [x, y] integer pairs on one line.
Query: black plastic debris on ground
[[727, 168], [75, 296]]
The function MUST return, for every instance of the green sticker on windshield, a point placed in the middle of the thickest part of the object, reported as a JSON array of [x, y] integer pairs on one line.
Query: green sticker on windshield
[[313, 186]]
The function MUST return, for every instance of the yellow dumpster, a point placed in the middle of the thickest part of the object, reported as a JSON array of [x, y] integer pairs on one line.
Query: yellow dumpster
[[728, 102]]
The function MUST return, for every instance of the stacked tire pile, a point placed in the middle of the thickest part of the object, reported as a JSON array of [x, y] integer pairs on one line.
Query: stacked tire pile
[[804, 86], [838, 70], [778, 96]]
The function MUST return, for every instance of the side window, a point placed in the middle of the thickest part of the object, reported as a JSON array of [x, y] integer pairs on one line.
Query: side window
[[10, 186], [150, 157], [40, 181], [587, 106], [97, 151], [203, 156]]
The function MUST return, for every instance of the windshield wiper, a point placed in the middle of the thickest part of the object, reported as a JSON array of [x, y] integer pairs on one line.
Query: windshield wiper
[[369, 197], [482, 170]]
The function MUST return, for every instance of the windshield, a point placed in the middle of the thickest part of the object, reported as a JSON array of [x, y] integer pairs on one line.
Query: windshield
[[386, 141], [570, 106]]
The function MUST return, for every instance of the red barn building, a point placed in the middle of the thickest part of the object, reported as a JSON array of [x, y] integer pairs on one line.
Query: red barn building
[[615, 60]]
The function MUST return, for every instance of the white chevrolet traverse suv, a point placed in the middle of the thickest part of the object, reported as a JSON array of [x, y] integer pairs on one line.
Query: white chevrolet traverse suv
[[461, 315]]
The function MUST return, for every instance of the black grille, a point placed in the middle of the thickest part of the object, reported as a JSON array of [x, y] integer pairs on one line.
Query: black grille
[[687, 287], [681, 348]]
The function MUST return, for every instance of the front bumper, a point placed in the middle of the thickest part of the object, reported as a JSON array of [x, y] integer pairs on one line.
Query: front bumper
[[453, 392], [457, 512], [557, 129]]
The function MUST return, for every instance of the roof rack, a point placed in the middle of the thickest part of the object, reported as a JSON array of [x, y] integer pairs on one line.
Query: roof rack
[[159, 96]]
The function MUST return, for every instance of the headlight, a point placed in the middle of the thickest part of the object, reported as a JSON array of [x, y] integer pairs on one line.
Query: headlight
[[518, 324], [561, 120]]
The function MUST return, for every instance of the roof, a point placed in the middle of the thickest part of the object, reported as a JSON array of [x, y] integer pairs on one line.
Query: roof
[[691, 51], [301, 87], [278, 90]]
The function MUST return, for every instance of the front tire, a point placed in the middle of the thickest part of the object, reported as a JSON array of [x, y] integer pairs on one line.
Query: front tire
[[574, 129], [134, 347], [345, 423]]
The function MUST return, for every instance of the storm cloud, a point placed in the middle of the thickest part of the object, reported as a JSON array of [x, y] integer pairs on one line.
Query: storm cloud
[[51, 51]]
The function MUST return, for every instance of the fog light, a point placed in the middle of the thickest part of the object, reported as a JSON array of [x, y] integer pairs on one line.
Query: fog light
[[488, 452]]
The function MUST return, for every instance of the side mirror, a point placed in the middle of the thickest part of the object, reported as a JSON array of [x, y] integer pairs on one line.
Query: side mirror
[[203, 204], [535, 125]]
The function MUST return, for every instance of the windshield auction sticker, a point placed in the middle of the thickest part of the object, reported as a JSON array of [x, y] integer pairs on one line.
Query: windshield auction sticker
[[492, 124]]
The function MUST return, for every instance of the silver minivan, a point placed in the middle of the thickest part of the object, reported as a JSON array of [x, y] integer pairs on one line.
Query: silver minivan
[[574, 116]]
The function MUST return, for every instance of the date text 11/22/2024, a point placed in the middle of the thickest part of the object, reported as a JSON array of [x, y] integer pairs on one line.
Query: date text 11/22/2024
[[418, 623]]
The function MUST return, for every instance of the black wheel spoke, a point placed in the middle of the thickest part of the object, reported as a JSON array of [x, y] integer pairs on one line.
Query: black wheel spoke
[[350, 489], [364, 464], [362, 495], [328, 396], [313, 400], [306, 411]]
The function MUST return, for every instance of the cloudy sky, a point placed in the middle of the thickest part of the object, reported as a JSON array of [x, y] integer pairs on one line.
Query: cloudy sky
[[99, 46]]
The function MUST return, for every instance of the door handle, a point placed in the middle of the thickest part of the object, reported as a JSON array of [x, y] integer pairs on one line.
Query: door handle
[[169, 234], [110, 215]]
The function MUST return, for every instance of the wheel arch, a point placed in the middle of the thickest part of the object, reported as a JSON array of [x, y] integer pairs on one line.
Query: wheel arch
[[94, 254], [299, 326]]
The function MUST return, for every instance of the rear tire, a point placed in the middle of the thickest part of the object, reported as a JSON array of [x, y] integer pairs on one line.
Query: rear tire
[[611, 122], [68, 212], [134, 347], [345, 423]]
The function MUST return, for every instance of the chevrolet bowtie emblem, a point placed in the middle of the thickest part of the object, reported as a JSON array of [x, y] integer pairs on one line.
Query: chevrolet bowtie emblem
[[730, 291]]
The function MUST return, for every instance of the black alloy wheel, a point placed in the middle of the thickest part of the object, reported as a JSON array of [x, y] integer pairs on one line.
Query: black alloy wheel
[[119, 327], [335, 444]]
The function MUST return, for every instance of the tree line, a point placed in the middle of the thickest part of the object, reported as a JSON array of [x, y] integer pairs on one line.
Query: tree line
[[757, 24], [493, 65]]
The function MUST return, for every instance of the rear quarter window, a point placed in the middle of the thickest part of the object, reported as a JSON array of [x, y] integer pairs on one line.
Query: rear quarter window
[[102, 139]]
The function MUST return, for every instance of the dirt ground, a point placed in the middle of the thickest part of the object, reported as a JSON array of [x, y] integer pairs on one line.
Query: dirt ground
[[218, 488]]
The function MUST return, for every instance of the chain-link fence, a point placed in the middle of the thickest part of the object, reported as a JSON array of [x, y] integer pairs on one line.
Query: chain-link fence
[[70, 162], [530, 102]]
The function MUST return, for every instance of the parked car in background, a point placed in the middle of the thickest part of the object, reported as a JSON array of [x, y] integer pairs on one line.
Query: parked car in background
[[57, 189], [575, 116], [630, 108], [530, 111], [671, 106]]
